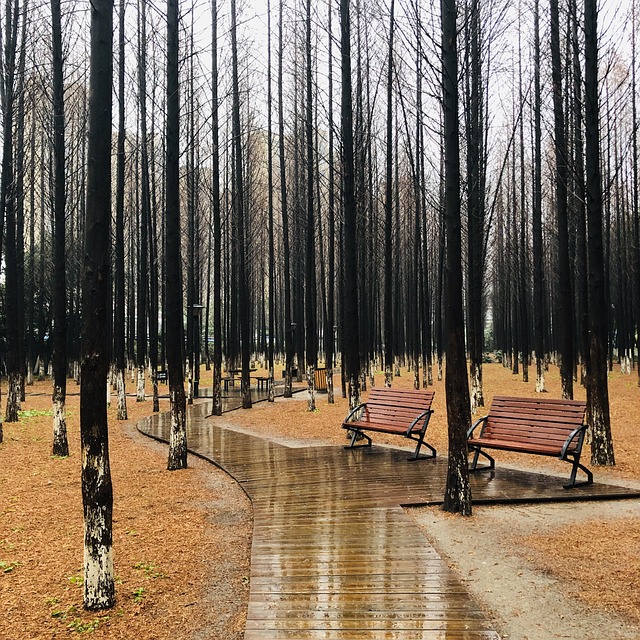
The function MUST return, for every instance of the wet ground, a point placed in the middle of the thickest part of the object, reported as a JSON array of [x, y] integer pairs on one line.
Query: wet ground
[[334, 555]]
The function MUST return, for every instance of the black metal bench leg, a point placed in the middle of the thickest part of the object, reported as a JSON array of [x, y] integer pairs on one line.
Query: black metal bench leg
[[474, 464], [354, 437], [574, 471], [421, 442]]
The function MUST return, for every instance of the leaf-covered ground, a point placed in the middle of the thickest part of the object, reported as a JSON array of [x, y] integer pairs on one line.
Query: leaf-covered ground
[[182, 539]]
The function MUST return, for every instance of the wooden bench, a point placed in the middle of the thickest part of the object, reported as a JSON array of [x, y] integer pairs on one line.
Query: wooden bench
[[536, 426], [398, 412]]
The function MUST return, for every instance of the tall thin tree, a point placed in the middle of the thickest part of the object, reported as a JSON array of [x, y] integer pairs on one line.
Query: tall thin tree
[[310, 265], [59, 334], [564, 298], [351, 344], [119, 310], [239, 207], [217, 218], [457, 497], [175, 360], [597, 388], [97, 492]]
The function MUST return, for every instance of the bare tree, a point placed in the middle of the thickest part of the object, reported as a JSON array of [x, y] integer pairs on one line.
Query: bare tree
[[457, 497], [60, 445], [350, 293], [597, 387], [175, 360], [97, 492]]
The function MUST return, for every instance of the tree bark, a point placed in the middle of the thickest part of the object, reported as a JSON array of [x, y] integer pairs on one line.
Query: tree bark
[[597, 389], [97, 493], [8, 213], [457, 496], [217, 220], [538, 265], [175, 360], [564, 297], [350, 296], [59, 334]]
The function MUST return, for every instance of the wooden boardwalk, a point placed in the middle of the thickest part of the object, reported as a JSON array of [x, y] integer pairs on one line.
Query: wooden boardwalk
[[334, 555]]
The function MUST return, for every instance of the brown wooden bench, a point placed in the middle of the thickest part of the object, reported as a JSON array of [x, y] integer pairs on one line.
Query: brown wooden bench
[[536, 426], [399, 412]]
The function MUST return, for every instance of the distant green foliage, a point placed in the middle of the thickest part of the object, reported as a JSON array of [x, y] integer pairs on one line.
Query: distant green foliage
[[34, 413]]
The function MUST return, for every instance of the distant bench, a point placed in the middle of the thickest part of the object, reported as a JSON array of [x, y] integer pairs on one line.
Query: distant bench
[[535, 426], [399, 412]]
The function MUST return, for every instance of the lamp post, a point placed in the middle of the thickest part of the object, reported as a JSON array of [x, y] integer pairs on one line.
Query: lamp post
[[196, 312]]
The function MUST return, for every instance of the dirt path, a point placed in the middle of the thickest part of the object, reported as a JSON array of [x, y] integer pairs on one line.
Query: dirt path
[[492, 553]]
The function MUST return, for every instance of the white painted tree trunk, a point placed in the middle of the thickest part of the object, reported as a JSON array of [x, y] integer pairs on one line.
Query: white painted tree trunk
[[108, 392], [60, 443], [354, 395], [476, 395], [540, 388], [271, 392], [122, 397], [372, 371], [29, 373], [177, 435], [416, 375], [13, 397], [311, 388], [140, 395], [388, 376], [189, 382], [330, 395], [440, 369], [99, 588]]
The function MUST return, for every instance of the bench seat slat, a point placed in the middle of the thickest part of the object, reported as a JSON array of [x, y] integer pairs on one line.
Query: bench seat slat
[[520, 447]]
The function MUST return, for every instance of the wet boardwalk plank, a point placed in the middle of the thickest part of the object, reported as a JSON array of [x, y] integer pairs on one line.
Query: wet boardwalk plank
[[334, 555]]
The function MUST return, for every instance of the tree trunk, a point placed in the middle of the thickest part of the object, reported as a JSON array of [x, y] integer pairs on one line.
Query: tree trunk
[[538, 266], [217, 220], [59, 334], [119, 311], [8, 215], [457, 496], [564, 294], [175, 360], [350, 299], [310, 266], [597, 389], [288, 328], [97, 493], [238, 204], [388, 216]]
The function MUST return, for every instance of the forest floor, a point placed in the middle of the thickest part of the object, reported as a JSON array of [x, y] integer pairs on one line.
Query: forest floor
[[182, 539]]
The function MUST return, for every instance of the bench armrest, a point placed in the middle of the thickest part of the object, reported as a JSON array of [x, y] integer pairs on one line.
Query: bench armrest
[[354, 411], [424, 414], [475, 424], [576, 432]]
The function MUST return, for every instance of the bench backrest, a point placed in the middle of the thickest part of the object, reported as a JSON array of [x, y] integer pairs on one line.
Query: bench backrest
[[396, 406], [533, 421]]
